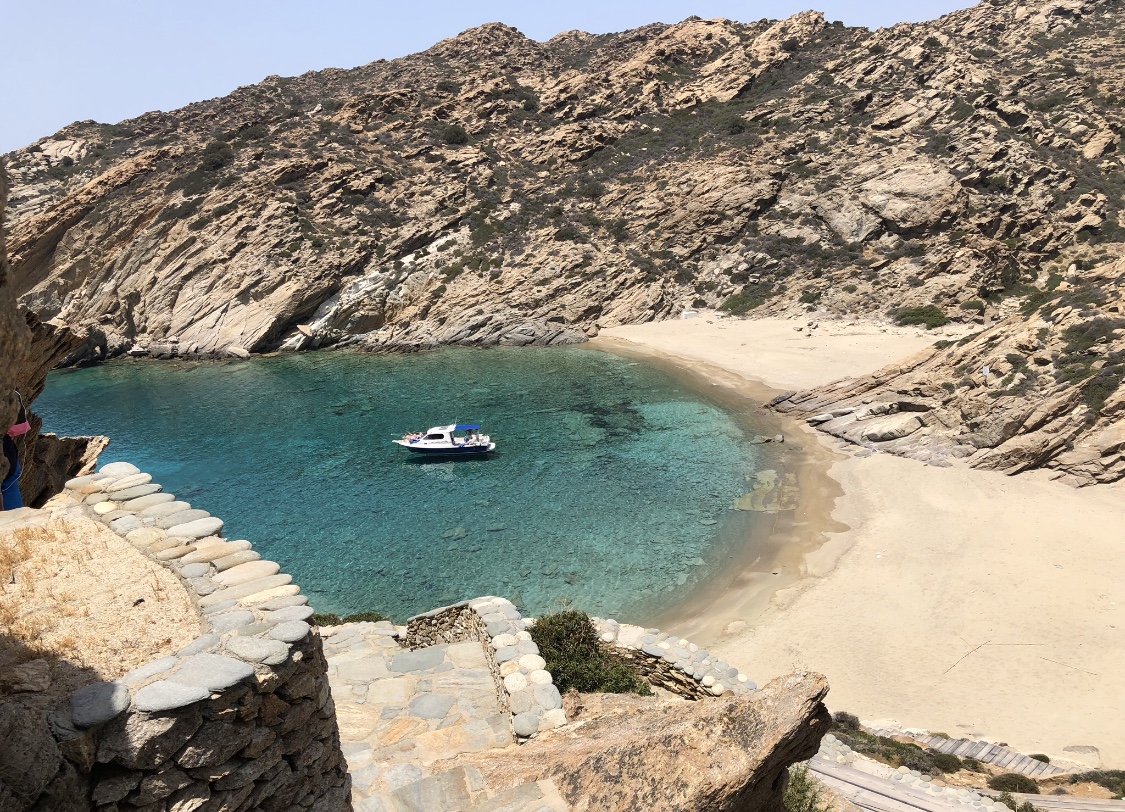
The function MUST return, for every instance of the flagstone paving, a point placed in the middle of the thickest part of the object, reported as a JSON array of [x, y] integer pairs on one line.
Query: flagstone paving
[[403, 714]]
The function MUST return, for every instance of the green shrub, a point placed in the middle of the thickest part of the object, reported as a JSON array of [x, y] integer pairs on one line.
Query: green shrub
[[741, 303], [447, 86], [1013, 782], [942, 344], [1041, 757], [804, 793], [216, 155], [1113, 780], [850, 288], [327, 619], [972, 765], [973, 304], [569, 643], [454, 134], [845, 720], [946, 762], [929, 316], [365, 617], [1015, 805]]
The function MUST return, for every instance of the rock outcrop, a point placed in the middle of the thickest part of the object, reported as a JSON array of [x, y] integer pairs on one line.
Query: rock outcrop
[[29, 349], [625, 752], [1039, 389], [498, 190]]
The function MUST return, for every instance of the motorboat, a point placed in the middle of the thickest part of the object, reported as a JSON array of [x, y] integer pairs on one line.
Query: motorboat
[[443, 441]]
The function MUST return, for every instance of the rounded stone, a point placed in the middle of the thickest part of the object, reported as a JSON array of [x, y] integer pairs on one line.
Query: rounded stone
[[119, 469], [258, 650], [552, 719], [164, 695], [521, 701], [526, 724], [290, 631], [143, 502], [523, 636], [98, 703], [507, 653], [249, 571], [163, 509], [708, 681], [195, 570], [515, 682], [127, 482], [502, 640], [181, 517], [199, 644], [540, 677], [510, 667], [290, 613], [124, 524], [228, 621], [718, 689], [135, 491], [532, 662], [234, 559], [102, 508], [149, 670], [212, 671], [198, 528], [548, 697]]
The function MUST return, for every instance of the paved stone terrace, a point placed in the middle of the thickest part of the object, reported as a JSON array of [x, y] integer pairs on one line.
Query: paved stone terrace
[[403, 714]]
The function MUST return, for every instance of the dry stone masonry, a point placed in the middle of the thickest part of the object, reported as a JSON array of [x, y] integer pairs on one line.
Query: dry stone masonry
[[242, 718]]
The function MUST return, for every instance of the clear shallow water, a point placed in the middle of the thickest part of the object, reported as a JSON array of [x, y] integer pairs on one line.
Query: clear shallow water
[[609, 491]]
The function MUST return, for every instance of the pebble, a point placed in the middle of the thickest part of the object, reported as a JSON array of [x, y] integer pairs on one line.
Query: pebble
[[548, 696], [250, 571], [119, 469], [502, 640], [510, 667], [515, 682], [521, 701], [98, 703], [116, 513], [211, 671], [276, 592], [164, 695], [78, 481], [258, 650], [245, 590], [198, 528], [291, 631], [282, 603], [181, 517], [174, 552], [102, 508], [507, 653], [540, 677], [217, 551], [202, 586]]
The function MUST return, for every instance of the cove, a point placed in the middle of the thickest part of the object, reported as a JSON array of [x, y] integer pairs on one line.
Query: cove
[[610, 491]]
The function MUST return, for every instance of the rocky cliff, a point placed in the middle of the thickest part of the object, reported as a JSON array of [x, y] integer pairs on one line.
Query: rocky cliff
[[494, 189], [29, 349], [497, 189]]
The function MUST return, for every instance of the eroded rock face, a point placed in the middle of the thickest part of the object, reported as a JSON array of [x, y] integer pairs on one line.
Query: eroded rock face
[[711, 755], [497, 190], [29, 349], [1039, 389]]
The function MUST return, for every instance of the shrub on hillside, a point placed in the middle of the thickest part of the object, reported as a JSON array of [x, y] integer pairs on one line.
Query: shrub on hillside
[[804, 793], [454, 134], [845, 720], [1013, 782], [332, 619], [569, 643], [929, 316]]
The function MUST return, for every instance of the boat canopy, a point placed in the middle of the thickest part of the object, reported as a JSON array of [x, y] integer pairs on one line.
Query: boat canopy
[[467, 428]]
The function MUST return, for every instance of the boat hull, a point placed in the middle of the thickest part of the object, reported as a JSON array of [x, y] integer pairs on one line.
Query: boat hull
[[461, 451]]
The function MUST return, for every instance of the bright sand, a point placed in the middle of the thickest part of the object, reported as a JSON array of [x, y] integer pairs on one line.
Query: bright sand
[[956, 600]]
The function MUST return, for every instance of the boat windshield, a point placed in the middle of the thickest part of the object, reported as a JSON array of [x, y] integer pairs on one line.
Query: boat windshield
[[435, 437]]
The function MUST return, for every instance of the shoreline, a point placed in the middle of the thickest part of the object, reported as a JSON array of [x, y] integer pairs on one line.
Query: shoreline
[[947, 599]]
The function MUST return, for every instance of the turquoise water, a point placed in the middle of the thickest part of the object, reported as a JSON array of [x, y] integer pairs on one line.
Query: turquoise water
[[610, 489]]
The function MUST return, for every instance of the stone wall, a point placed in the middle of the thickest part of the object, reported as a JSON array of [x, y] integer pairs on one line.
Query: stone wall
[[240, 719], [523, 685]]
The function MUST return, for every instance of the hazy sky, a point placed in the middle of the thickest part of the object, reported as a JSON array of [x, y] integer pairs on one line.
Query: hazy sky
[[69, 60]]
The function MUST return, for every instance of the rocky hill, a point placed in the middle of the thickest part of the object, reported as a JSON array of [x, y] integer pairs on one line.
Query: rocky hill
[[494, 189]]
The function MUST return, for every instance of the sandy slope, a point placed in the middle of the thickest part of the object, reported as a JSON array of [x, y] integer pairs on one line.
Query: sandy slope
[[959, 600]]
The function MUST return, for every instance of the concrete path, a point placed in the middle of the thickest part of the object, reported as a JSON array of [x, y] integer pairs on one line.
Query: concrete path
[[403, 714]]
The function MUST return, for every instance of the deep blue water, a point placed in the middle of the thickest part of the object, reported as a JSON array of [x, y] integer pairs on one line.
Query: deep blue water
[[610, 490]]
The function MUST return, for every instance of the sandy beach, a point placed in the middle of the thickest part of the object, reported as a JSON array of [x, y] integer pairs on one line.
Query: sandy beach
[[944, 599]]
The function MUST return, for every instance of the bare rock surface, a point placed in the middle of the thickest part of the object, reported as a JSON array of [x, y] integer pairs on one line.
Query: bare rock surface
[[629, 753]]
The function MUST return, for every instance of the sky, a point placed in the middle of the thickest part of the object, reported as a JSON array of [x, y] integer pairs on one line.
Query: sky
[[108, 60]]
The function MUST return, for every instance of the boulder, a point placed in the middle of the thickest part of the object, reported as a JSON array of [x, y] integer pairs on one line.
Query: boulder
[[731, 753]]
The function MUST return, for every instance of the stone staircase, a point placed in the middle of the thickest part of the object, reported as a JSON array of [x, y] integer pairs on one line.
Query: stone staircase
[[403, 715]]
